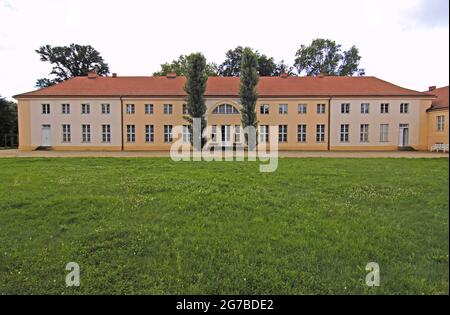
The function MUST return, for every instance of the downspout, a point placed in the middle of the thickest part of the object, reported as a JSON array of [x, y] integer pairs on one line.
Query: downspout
[[329, 123], [121, 123]]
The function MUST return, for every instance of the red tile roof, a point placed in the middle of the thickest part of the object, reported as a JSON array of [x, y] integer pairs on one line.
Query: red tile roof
[[223, 86], [441, 102]]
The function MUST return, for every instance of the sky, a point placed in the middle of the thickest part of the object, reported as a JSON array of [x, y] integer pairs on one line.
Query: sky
[[405, 42]]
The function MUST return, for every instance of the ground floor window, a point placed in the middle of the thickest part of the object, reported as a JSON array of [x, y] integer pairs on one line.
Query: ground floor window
[[131, 133], [344, 133], [364, 133], [106, 133], [168, 133], [264, 133], [301, 133], [66, 133], [320, 133], [149, 133], [384, 133], [440, 121], [186, 134], [86, 133], [237, 134], [282, 133]]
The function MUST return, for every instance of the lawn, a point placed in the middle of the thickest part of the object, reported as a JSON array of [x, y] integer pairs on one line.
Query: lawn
[[153, 226]]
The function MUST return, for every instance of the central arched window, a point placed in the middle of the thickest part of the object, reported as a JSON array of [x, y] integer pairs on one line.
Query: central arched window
[[225, 109]]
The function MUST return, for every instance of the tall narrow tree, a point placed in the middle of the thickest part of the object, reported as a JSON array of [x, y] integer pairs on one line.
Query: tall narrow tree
[[247, 91], [195, 89]]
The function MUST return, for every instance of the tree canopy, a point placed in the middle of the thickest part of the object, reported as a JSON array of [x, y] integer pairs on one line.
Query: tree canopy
[[324, 56], [8, 117], [70, 61], [180, 67]]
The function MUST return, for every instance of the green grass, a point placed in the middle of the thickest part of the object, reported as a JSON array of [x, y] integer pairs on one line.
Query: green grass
[[153, 226]]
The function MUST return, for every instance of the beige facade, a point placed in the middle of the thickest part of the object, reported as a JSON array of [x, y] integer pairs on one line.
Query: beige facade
[[438, 132]]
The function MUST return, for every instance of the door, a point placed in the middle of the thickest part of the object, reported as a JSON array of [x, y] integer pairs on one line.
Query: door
[[226, 134], [45, 136], [404, 135]]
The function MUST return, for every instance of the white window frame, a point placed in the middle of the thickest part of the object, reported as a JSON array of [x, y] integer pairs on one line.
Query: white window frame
[[384, 132], [168, 137], [106, 133], [345, 108], [365, 108], [85, 133], [45, 109], [131, 133], [185, 109], [302, 109], [65, 109], [106, 108], [214, 133], [344, 134], [66, 137], [149, 133], [301, 133], [131, 109], [186, 134], [264, 109], [320, 133], [364, 133], [85, 108], [167, 109], [404, 108], [283, 133], [237, 133], [148, 109], [384, 108], [440, 123], [321, 108], [283, 109], [264, 133]]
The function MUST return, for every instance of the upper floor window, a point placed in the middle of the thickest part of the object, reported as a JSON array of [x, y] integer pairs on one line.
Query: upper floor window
[[45, 108], [130, 109], [225, 109], [106, 109], [148, 109], [440, 120], [167, 109], [65, 108], [185, 109], [320, 108], [283, 109], [85, 108], [264, 109], [384, 108], [365, 108], [404, 107], [302, 108], [345, 108]]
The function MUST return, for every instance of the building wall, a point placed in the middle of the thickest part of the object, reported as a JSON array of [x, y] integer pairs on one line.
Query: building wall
[[75, 119], [434, 136], [415, 118]]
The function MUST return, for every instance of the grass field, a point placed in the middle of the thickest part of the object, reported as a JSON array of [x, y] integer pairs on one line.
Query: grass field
[[153, 226]]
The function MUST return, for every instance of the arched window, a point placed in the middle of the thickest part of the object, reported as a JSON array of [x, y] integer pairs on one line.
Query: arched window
[[225, 109]]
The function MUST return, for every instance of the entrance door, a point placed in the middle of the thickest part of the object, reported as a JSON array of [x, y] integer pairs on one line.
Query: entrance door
[[226, 135], [404, 135], [45, 136]]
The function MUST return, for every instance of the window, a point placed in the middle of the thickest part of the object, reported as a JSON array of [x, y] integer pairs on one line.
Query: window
[[186, 134], [345, 108], [264, 109], [365, 108], [320, 108], [320, 133], [302, 108], [214, 133], [106, 133], [384, 108], [130, 109], [225, 109], [168, 133], [106, 109], [131, 133], [283, 109], [66, 133], [237, 133], [148, 109], [168, 109], [264, 133], [364, 133], [440, 121], [185, 109], [404, 108], [301, 133], [149, 133], [86, 133], [344, 133], [65, 108], [282, 133], [45, 108], [85, 108], [384, 133]]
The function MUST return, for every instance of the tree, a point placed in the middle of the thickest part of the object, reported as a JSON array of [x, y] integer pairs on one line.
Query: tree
[[70, 61], [195, 86], [324, 56], [8, 117], [247, 90], [180, 67], [231, 67]]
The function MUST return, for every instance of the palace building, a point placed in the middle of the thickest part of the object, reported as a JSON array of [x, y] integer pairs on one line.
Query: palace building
[[310, 113]]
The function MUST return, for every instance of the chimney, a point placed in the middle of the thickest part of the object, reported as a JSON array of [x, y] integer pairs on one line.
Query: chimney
[[92, 75], [432, 88], [114, 75], [284, 75], [171, 75]]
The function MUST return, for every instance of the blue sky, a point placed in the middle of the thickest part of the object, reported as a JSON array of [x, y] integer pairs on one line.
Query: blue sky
[[402, 41]]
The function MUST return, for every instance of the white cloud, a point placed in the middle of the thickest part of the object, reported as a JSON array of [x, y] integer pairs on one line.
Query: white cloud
[[136, 36]]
